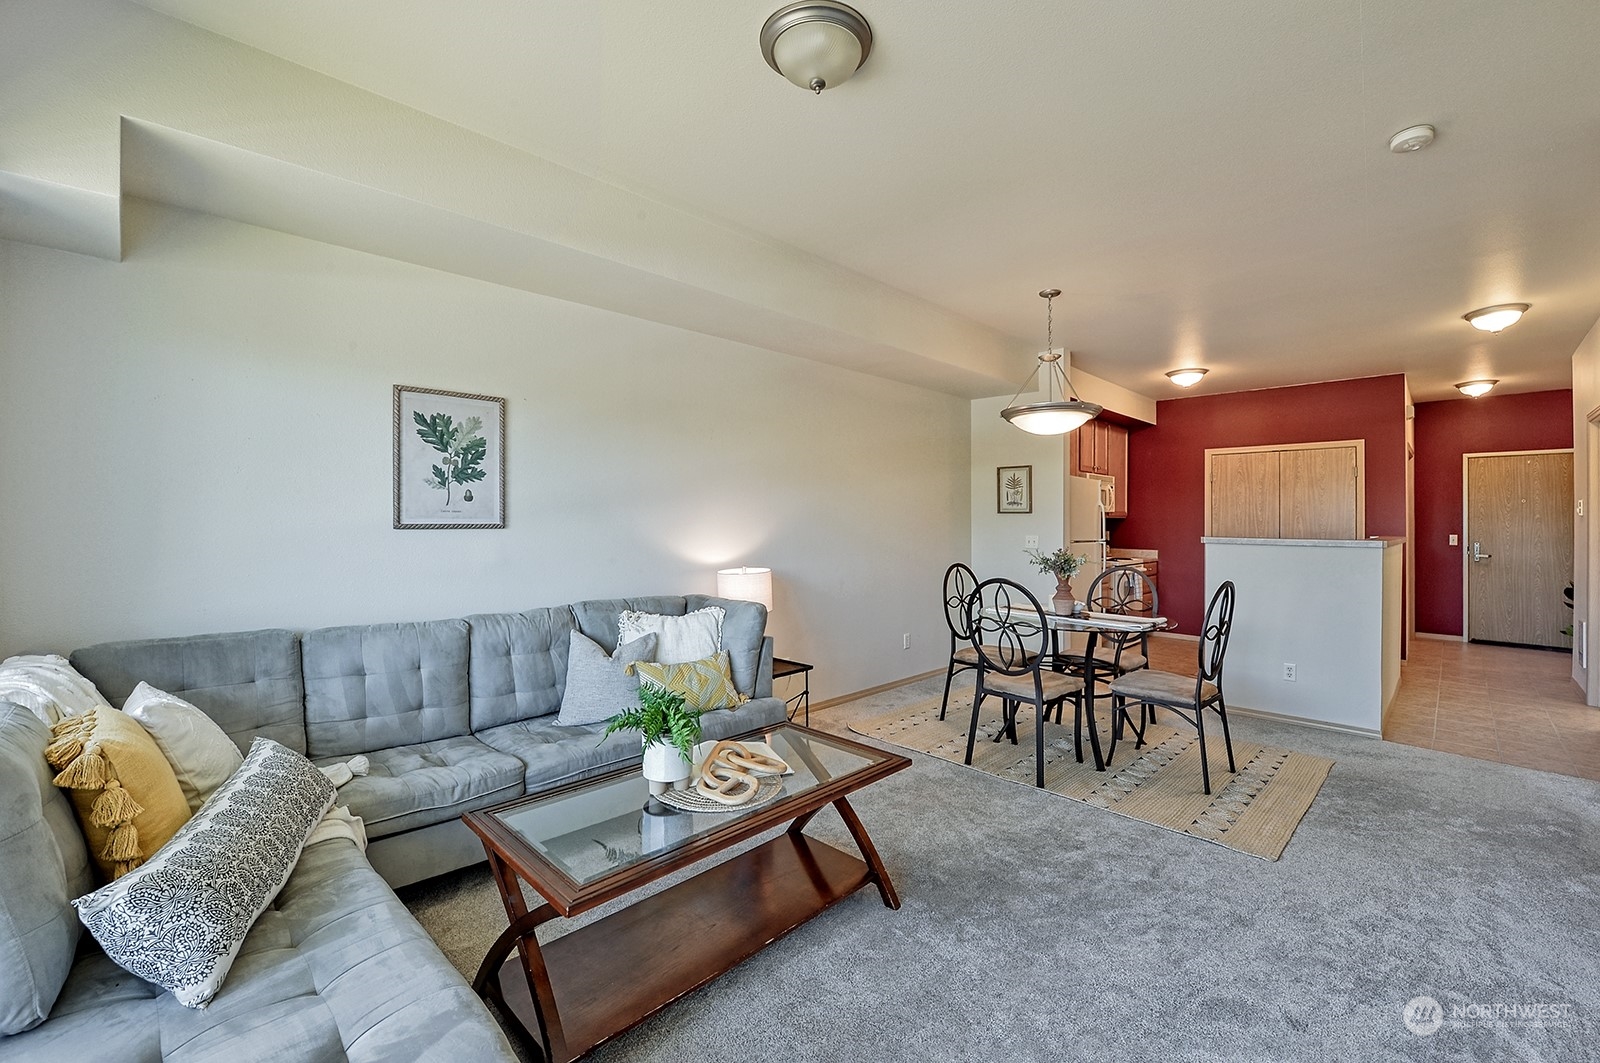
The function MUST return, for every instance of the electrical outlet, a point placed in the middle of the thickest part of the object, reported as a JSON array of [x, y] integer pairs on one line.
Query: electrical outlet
[[905, 641], [1031, 542], [1288, 672], [1455, 540], [1580, 507]]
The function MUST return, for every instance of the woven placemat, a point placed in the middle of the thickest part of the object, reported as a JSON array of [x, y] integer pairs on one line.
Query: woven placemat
[[692, 800], [1252, 811]]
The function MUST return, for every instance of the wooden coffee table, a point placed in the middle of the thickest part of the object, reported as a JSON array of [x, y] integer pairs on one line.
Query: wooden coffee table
[[597, 840]]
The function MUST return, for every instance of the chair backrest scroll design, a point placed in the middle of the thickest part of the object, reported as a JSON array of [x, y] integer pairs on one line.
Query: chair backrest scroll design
[[1008, 627], [1214, 635]]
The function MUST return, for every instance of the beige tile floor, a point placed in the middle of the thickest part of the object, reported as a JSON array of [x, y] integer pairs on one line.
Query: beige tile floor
[[1495, 703]]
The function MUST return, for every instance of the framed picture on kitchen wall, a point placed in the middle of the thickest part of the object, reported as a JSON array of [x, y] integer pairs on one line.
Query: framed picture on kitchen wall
[[449, 459], [1014, 489]]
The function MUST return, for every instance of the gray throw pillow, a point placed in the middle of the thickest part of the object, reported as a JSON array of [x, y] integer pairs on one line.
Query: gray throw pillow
[[180, 918], [43, 865], [597, 686]]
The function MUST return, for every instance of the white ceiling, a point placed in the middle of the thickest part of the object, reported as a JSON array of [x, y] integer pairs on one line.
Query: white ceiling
[[1208, 183]]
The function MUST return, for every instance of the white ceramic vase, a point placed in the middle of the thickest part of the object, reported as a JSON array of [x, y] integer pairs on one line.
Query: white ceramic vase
[[664, 766]]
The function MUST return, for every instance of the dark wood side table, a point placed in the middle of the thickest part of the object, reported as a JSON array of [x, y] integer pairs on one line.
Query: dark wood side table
[[782, 669]]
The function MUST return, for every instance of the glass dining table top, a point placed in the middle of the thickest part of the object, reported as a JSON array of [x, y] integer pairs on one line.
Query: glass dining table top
[[610, 823]]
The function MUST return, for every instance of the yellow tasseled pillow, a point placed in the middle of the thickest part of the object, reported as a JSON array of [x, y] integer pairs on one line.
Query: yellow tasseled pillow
[[705, 684], [124, 791]]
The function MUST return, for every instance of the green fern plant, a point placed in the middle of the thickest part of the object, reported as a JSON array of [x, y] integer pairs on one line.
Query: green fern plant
[[660, 716]]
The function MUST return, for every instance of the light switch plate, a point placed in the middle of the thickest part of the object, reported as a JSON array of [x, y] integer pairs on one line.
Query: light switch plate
[[1031, 542]]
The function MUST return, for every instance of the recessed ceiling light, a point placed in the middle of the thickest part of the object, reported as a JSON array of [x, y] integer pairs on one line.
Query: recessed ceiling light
[[1474, 388], [1412, 138], [1186, 378], [1496, 318]]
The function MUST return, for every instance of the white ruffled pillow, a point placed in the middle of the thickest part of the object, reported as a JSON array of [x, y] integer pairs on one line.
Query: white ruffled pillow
[[201, 753], [690, 637], [47, 686]]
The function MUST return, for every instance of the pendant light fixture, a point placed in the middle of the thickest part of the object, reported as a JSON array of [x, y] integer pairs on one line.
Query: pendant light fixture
[[1052, 417], [817, 44]]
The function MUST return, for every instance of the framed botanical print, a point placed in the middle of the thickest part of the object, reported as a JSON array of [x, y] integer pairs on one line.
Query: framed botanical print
[[1014, 489], [449, 459]]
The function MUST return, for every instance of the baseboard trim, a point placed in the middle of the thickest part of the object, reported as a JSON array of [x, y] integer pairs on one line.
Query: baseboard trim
[[1177, 636], [1439, 638], [867, 693], [1282, 717]]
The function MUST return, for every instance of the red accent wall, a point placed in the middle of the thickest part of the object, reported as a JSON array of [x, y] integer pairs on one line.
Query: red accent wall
[[1166, 467], [1541, 420]]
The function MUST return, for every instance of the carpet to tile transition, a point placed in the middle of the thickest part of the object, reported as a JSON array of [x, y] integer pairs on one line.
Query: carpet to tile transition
[[1253, 811]]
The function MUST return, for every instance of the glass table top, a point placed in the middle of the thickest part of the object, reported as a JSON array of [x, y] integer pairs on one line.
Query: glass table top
[[611, 823]]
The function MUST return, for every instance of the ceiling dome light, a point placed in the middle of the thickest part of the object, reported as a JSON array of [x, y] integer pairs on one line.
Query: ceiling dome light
[[1053, 417], [1473, 389], [1412, 138], [817, 44], [1186, 378], [1496, 318]]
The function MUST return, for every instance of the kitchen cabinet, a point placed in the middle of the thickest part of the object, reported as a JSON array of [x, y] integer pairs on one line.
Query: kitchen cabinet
[[1100, 448]]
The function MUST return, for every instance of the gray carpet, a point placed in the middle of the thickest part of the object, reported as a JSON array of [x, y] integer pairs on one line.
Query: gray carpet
[[1040, 929]]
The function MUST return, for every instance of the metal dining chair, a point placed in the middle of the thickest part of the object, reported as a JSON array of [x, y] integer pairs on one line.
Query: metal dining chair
[[1010, 637], [959, 583], [1125, 591], [1188, 697]]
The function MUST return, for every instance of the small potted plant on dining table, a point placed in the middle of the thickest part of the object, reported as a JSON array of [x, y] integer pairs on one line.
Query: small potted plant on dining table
[[669, 730], [1063, 564]]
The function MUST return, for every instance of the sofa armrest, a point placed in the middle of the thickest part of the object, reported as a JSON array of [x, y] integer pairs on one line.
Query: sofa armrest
[[764, 670]]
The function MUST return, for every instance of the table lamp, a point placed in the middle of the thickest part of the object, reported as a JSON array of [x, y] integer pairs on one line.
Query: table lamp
[[746, 584]]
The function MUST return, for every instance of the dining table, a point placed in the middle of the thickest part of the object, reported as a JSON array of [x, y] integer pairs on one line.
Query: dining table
[[1094, 625]]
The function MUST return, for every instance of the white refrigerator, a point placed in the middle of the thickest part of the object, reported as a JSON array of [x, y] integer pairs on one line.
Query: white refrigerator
[[1088, 498]]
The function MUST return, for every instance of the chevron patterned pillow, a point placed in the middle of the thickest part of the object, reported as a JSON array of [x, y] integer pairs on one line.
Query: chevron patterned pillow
[[704, 684]]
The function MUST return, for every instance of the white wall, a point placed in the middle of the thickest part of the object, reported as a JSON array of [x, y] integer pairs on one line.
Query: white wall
[[997, 538], [198, 439], [1586, 488]]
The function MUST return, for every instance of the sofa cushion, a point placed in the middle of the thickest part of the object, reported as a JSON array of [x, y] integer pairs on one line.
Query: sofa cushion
[[124, 792], [744, 625], [179, 920], [694, 636], [335, 969], [518, 667], [555, 754], [46, 684], [375, 686], [598, 618], [704, 684], [201, 754], [598, 686], [247, 681], [43, 865], [415, 785]]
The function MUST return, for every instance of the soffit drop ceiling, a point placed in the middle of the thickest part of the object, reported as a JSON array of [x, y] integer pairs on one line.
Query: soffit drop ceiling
[[1207, 183]]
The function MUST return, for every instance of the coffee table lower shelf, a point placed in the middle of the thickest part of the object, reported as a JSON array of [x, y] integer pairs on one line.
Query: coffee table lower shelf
[[679, 939]]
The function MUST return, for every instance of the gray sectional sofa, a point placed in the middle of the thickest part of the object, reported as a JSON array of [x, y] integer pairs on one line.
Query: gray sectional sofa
[[452, 715]]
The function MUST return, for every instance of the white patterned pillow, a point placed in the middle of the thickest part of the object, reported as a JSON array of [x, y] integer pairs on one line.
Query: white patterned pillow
[[690, 637], [179, 919]]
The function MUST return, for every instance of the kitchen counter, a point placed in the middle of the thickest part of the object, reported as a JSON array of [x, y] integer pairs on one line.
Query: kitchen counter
[[1328, 607]]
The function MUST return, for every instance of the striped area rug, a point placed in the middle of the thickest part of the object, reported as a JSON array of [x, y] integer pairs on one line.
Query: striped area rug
[[1253, 811]]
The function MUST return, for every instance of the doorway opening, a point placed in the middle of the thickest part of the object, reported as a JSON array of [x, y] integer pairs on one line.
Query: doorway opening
[[1518, 517]]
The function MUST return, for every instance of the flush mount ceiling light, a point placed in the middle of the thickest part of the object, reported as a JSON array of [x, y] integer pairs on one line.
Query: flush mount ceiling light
[[1496, 318], [1186, 378], [1053, 417], [1473, 389], [1412, 138], [816, 44]]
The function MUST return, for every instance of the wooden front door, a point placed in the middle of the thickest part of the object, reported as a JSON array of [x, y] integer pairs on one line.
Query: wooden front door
[[1519, 548]]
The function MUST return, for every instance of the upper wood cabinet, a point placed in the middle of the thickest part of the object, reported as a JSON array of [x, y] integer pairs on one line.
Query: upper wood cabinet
[[1297, 491], [1100, 448]]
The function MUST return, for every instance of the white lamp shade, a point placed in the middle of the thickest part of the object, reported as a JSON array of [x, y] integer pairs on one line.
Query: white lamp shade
[[746, 585], [817, 50]]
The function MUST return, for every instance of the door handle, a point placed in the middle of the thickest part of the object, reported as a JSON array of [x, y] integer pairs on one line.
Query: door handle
[[1477, 553]]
